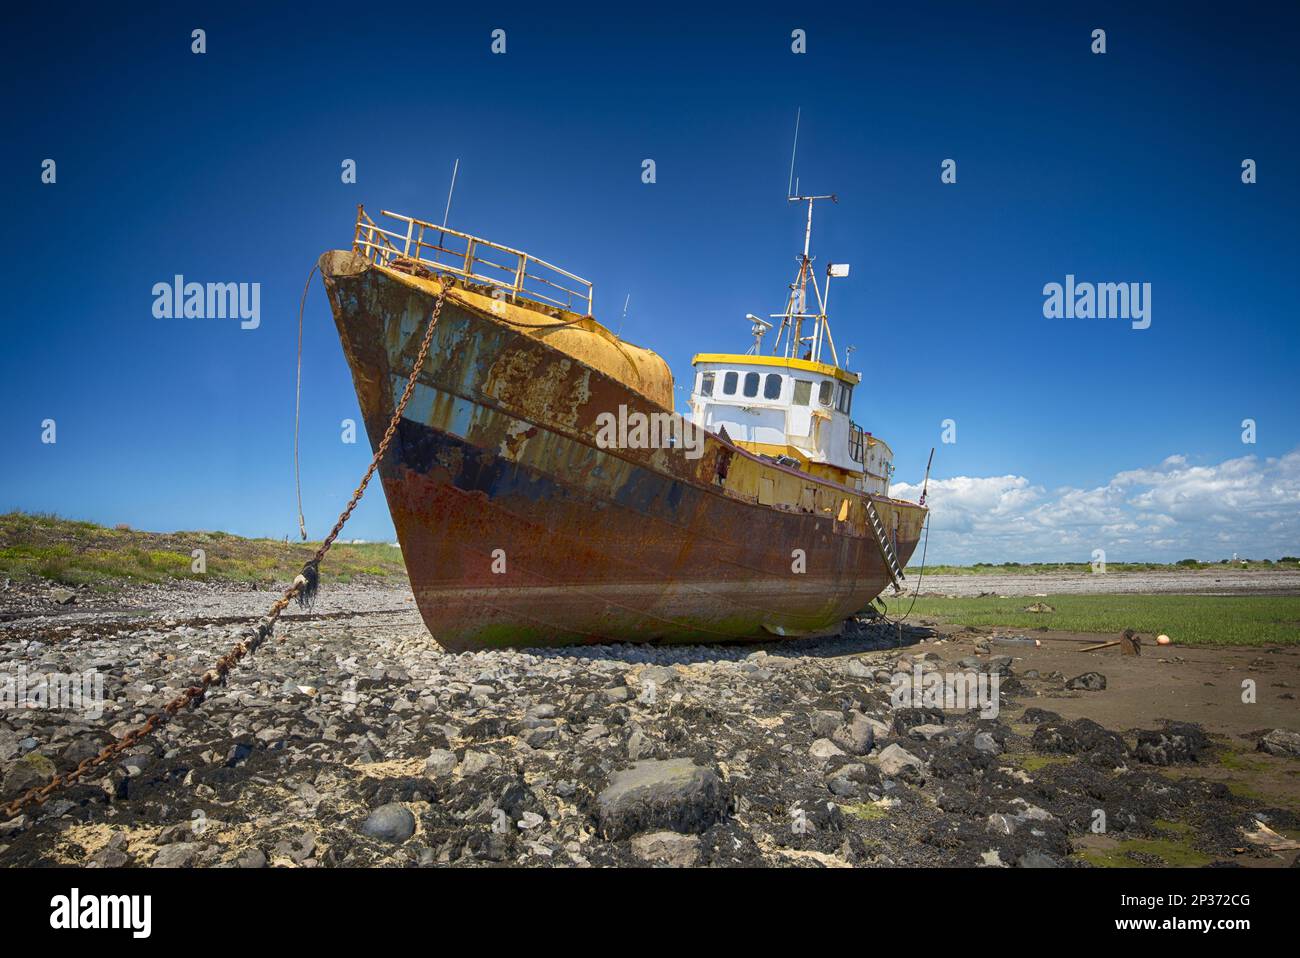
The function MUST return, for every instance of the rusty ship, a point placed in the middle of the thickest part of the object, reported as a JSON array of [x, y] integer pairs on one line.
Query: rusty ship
[[543, 487]]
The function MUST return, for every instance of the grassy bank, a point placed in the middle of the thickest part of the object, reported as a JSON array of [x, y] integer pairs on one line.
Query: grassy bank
[[1188, 619], [1083, 568], [75, 553]]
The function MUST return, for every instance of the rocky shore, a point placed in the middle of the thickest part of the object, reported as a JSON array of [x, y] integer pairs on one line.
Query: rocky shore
[[352, 739]]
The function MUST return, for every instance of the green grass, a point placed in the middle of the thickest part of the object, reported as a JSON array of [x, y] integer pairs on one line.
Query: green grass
[[72, 552], [1187, 619], [1032, 762], [867, 811], [1175, 850], [1044, 568]]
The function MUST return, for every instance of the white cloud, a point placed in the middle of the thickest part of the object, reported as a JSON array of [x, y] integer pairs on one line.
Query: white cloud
[[1172, 511]]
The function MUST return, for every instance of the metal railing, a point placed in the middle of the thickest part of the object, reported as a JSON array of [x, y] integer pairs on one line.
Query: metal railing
[[459, 254]]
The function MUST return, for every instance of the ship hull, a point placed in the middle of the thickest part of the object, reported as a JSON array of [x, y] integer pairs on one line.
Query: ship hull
[[519, 529]]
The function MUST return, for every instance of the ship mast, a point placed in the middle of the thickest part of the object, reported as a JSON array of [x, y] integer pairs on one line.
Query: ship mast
[[796, 307]]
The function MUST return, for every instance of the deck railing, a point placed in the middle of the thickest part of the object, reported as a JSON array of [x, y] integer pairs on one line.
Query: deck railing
[[443, 250]]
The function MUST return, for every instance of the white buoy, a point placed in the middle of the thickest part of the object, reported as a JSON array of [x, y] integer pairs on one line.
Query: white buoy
[[1164, 640]]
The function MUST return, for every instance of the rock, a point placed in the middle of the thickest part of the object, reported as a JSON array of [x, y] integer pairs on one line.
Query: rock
[[530, 820], [659, 675], [1001, 664], [389, 823], [906, 719], [1082, 736], [1088, 681], [440, 763], [927, 732], [1281, 742], [671, 794], [1177, 744], [857, 669], [30, 771], [177, 855], [824, 748], [1037, 716], [251, 858], [1000, 824], [986, 743], [844, 787], [667, 848], [475, 762], [297, 849], [856, 736], [62, 596], [895, 758], [1037, 859], [109, 858], [541, 737], [824, 722]]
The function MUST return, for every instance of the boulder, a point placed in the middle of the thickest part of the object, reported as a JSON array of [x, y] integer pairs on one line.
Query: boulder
[[1088, 682], [389, 823], [1281, 742], [657, 794], [856, 736], [894, 759], [667, 848]]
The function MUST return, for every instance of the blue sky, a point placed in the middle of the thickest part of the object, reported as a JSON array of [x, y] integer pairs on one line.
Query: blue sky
[[1071, 434]]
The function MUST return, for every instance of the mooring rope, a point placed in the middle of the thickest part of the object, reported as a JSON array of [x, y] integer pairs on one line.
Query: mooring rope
[[898, 623], [297, 406], [304, 589]]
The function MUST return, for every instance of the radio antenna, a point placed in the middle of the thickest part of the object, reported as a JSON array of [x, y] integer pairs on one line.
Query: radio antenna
[[789, 189]]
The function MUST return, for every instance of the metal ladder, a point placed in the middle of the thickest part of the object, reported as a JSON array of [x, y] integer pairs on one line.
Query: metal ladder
[[886, 550]]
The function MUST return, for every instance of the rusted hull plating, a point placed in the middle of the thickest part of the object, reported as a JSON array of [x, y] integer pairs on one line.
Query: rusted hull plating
[[518, 530]]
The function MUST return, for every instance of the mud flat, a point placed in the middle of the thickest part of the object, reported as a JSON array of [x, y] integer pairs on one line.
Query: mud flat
[[357, 741], [1204, 582]]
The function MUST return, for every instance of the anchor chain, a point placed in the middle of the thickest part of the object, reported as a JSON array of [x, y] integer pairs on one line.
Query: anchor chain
[[302, 585]]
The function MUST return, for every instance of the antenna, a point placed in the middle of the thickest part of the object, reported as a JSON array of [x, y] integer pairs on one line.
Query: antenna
[[789, 189], [454, 170], [624, 319]]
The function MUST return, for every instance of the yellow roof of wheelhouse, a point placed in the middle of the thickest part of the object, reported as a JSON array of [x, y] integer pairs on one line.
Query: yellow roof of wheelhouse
[[786, 362]]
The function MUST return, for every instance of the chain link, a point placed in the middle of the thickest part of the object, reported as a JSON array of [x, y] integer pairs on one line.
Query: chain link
[[216, 675]]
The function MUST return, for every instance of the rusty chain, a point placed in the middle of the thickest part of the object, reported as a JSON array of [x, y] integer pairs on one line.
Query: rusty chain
[[253, 638]]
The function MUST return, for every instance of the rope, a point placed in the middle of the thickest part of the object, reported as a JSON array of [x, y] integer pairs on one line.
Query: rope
[[919, 576], [303, 588], [297, 407]]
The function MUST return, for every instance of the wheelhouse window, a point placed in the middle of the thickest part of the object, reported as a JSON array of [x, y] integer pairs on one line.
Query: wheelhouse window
[[802, 392], [729, 383], [824, 392], [706, 383], [772, 386], [844, 397], [751, 385]]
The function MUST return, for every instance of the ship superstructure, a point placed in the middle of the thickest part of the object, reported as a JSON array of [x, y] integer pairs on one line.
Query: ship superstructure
[[793, 405]]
